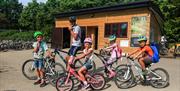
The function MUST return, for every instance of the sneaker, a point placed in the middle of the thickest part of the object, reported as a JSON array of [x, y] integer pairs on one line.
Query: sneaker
[[85, 86], [43, 84], [37, 82]]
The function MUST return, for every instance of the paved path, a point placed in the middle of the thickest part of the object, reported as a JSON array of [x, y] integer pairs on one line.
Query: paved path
[[11, 78]]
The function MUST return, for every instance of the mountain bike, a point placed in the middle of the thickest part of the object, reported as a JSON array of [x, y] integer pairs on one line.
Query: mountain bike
[[116, 69], [158, 77], [52, 70]]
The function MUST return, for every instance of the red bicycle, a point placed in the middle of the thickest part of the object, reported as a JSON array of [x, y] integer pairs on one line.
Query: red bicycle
[[65, 82]]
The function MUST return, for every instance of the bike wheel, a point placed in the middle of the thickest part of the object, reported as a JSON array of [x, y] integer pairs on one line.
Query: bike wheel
[[61, 86], [97, 81], [160, 83], [4, 47], [28, 69], [123, 79], [58, 70]]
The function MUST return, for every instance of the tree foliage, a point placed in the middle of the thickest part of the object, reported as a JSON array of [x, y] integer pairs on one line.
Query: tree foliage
[[40, 16], [9, 13], [170, 10]]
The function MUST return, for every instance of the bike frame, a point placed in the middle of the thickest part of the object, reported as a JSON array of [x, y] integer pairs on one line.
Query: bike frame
[[72, 72], [138, 69], [103, 60], [57, 51]]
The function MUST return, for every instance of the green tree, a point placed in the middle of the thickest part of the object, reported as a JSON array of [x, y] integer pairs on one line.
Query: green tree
[[170, 10], [9, 13]]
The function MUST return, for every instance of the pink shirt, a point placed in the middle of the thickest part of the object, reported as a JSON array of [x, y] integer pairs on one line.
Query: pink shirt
[[114, 49]]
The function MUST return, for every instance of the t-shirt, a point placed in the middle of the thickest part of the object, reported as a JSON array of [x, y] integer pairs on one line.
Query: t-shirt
[[115, 52], [76, 29], [88, 57], [147, 50], [43, 47]]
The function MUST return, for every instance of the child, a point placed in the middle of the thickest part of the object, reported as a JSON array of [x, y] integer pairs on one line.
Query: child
[[39, 49], [88, 54], [75, 32], [115, 54], [144, 54]]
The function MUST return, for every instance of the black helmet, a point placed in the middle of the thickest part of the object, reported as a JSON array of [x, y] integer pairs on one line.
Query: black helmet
[[72, 18]]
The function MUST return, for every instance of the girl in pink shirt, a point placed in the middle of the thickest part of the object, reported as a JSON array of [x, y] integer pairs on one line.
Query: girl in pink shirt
[[115, 54]]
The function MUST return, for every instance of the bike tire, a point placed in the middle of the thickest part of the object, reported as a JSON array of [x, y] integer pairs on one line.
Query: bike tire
[[101, 82], [52, 79], [32, 72], [61, 86], [120, 81], [157, 83]]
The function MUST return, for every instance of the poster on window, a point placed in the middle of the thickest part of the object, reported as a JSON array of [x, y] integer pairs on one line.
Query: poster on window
[[138, 27]]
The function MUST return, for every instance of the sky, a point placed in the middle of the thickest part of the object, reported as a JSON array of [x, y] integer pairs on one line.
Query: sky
[[25, 2]]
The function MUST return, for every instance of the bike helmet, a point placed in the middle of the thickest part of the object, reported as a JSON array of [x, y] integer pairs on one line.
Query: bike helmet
[[88, 40], [37, 33], [142, 38], [72, 18], [112, 37]]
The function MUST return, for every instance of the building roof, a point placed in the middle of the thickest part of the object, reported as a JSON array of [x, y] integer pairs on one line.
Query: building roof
[[132, 5]]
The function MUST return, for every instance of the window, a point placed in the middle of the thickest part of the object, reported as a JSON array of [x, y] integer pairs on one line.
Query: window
[[119, 29]]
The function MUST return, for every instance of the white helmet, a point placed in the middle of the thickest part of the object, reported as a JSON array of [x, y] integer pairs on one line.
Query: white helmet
[[88, 40]]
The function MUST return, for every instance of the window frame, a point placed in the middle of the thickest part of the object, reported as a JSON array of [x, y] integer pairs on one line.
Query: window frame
[[118, 32]]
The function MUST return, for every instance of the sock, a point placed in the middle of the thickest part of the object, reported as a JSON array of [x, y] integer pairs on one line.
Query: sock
[[85, 82]]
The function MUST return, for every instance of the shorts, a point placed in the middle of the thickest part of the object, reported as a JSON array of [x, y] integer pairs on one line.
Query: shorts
[[38, 63], [73, 50], [87, 65], [148, 60]]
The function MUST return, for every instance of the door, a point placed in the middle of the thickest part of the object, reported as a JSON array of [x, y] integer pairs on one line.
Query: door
[[66, 38], [92, 31], [57, 39]]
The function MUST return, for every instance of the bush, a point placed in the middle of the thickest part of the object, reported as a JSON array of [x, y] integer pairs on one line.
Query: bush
[[16, 35]]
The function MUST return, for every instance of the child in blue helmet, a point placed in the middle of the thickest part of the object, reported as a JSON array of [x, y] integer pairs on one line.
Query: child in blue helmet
[[115, 54]]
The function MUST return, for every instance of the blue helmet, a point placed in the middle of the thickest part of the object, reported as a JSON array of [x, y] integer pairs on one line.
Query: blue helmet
[[112, 37]]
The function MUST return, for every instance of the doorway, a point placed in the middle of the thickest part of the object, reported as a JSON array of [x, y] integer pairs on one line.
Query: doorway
[[66, 38], [92, 31]]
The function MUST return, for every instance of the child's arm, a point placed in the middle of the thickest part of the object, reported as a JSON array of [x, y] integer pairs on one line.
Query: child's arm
[[112, 46], [133, 52], [83, 55], [36, 47], [142, 51]]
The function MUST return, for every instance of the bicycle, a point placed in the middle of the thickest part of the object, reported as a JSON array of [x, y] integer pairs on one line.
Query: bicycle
[[154, 77], [52, 70], [66, 83], [104, 59]]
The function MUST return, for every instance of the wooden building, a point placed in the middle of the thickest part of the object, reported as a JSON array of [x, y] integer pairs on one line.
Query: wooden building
[[127, 21]]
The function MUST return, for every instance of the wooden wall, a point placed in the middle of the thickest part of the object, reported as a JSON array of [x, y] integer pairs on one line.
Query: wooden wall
[[99, 19]]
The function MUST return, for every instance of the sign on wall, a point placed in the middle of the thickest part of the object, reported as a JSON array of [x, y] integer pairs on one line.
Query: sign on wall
[[138, 27], [124, 43]]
